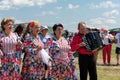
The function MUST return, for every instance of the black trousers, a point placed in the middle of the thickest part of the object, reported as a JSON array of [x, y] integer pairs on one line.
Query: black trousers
[[45, 66], [87, 64]]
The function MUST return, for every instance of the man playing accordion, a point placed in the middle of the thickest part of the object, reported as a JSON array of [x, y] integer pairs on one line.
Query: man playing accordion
[[87, 62]]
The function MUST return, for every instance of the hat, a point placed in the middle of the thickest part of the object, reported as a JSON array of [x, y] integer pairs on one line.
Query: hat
[[44, 27]]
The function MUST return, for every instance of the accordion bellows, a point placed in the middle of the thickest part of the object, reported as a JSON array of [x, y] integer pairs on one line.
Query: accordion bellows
[[93, 41]]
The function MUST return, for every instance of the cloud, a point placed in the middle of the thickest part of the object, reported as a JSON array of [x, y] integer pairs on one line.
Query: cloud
[[8, 4], [97, 20], [48, 13], [110, 21], [5, 4], [100, 22], [43, 2], [105, 4], [71, 6], [111, 14]]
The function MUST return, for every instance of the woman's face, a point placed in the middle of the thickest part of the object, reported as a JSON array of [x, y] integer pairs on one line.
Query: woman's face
[[8, 26], [105, 32], [45, 31], [36, 29], [59, 31]]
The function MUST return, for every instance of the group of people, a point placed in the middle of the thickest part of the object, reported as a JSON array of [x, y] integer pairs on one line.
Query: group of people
[[29, 54], [108, 40], [33, 56]]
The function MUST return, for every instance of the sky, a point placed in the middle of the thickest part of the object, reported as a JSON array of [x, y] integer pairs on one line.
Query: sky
[[95, 13]]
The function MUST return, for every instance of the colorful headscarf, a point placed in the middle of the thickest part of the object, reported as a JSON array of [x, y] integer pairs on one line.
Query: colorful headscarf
[[33, 23]]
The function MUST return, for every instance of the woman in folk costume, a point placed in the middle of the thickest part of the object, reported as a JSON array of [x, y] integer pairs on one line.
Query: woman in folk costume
[[59, 50], [10, 45], [33, 68]]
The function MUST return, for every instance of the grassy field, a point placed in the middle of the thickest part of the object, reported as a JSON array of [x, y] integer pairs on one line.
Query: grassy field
[[105, 72]]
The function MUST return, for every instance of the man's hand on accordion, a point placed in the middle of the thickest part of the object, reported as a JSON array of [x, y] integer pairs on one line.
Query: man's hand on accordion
[[82, 44]]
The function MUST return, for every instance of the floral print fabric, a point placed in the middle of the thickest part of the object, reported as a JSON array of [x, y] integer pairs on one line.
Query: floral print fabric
[[33, 68], [11, 59], [61, 67]]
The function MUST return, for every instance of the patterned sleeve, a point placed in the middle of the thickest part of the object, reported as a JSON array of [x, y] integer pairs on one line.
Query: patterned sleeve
[[28, 44], [54, 48]]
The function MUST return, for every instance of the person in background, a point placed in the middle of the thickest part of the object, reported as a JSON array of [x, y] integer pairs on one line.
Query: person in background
[[107, 39], [19, 30], [43, 36], [59, 52], [26, 32], [86, 60], [10, 45], [117, 51]]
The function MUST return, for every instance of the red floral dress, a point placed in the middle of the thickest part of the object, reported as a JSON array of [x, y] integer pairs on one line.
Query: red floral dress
[[33, 67], [61, 66], [11, 59]]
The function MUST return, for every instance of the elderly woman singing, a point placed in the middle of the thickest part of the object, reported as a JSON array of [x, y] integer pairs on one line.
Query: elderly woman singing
[[33, 67], [10, 45]]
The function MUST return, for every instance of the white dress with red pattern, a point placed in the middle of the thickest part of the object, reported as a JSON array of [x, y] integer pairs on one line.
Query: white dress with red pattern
[[11, 59]]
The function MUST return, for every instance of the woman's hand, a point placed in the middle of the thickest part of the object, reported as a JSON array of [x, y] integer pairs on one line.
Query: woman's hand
[[45, 47], [33, 45], [19, 43], [1, 53], [49, 63], [39, 48]]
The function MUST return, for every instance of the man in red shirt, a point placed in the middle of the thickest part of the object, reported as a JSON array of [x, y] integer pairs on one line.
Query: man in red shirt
[[87, 61]]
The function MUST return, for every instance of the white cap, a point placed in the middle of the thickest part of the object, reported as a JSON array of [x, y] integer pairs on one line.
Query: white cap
[[44, 27]]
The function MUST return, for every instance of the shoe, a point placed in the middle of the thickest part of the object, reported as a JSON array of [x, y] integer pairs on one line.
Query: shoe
[[108, 64], [104, 64], [117, 64]]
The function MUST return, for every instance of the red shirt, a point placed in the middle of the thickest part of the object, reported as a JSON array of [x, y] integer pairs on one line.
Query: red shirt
[[75, 45]]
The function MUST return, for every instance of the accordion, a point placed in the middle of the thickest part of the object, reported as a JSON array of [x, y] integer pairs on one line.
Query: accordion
[[93, 41]]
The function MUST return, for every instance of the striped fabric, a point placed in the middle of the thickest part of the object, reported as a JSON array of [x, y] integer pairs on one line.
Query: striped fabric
[[9, 44], [11, 59]]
